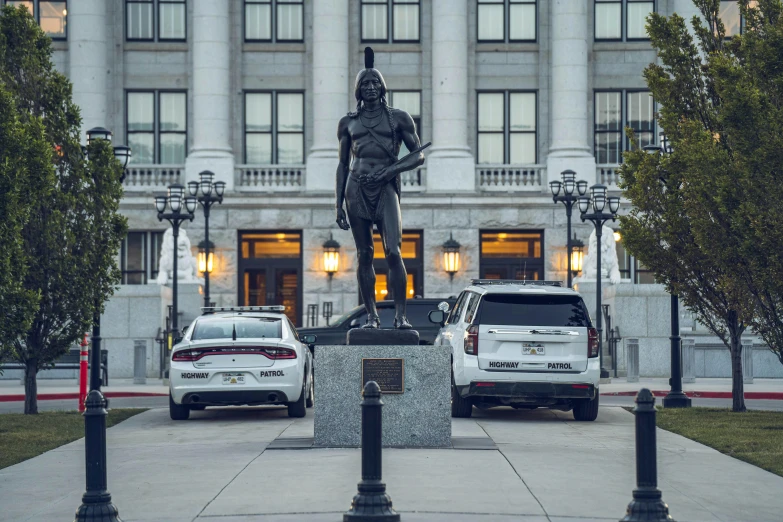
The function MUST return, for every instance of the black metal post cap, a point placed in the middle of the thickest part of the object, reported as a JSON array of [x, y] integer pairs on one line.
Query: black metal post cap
[[645, 400]]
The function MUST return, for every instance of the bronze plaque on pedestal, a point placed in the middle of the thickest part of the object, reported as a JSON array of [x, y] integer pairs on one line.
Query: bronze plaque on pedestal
[[388, 373]]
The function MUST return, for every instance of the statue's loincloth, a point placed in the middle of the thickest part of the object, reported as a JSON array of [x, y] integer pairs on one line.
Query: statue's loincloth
[[368, 201]]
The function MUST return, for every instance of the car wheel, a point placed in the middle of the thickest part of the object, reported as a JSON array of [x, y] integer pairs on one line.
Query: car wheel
[[310, 395], [586, 409], [178, 411], [298, 409], [460, 407], [197, 407]]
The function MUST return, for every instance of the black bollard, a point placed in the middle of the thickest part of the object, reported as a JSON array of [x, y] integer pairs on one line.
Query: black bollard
[[96, 501], [647, 504], [371, 504]]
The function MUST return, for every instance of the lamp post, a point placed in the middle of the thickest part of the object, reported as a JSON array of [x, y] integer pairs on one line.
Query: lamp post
[[96, 501], [568, 184], [174, 200], [206, 186], [676, 398], [598, 217]]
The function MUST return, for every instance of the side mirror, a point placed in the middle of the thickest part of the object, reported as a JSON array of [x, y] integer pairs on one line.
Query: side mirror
[[444, 307], [308, 338], [356, 323], [437, 317]]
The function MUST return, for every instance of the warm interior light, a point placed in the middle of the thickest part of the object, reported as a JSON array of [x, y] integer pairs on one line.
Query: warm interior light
[[617, 237], [280, 236], [205, 265]]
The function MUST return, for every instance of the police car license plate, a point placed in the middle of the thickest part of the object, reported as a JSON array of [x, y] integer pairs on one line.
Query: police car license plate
[[532, 349], [233, 378]]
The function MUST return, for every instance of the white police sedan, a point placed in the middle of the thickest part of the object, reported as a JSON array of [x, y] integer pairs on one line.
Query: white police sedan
[[241, 356]]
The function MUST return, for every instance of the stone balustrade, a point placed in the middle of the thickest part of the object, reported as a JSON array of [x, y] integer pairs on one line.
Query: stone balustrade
[[608, 175], [269, 178], [151, 178], [510, 178], [414, 180]]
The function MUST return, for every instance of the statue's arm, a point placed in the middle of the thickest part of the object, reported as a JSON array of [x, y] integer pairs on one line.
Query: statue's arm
[[407, 132], [344, 155]]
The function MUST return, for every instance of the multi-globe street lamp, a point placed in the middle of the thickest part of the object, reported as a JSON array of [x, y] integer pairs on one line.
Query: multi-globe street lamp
[[568, 184], [676, 398], [96, 500], [206, 186], [598, 217], [175, 200]]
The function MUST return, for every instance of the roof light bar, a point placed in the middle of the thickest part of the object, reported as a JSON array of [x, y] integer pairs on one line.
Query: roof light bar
[[212, 309], [485, 282]]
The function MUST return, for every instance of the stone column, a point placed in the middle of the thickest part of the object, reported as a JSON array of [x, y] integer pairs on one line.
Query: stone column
[[450, 164], [331, 79], [211, 93], [87, 49], [569, 93]]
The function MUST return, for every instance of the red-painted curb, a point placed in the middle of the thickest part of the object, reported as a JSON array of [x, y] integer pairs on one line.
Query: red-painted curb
[[69, 396], [770, 396]]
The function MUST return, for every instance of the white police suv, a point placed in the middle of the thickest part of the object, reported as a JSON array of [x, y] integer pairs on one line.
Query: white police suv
[[241, 355], [525, 344]]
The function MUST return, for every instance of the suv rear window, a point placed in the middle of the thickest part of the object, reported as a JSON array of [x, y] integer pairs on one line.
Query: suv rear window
[[532, 310], [246, 328]]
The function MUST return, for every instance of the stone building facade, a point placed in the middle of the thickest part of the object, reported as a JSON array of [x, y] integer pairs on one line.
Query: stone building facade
[[510, 92]]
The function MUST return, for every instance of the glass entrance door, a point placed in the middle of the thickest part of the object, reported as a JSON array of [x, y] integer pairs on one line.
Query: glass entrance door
[[270, 271]]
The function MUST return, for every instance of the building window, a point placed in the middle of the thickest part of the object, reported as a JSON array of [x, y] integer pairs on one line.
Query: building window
[[274, 21], [157, 126], [507, 127], [506, 21], [51, 15], [410, 102], [274, 128], [636, 109], [411, 254], [631, 268], [512, 254], [390, 20], [139, 257], [732, 18], [619, 20], [155, 20]]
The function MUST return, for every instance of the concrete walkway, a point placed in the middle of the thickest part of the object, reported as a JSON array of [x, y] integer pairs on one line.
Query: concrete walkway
[[217, 466]]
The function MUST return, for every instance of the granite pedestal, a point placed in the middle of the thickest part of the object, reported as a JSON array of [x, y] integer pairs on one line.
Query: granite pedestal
[[419, 417], [381, 337]]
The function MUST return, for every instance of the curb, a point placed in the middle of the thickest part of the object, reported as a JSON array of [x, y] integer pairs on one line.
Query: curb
[[69, 396], [773, 396]]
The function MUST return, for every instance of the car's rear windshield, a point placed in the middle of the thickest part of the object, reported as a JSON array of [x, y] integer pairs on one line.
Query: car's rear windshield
[[246, 328], [532, 310]]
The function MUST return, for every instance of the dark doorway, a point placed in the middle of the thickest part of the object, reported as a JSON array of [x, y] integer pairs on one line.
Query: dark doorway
[[270, 271]]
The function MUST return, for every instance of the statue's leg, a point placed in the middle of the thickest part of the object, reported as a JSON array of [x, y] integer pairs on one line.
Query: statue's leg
[[391, 235], [365, 273]]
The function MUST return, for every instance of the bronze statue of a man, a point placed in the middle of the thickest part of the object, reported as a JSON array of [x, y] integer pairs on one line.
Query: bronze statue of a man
[[369, 140]]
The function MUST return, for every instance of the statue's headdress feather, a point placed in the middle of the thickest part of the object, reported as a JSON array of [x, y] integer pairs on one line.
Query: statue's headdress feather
[[369, 58]]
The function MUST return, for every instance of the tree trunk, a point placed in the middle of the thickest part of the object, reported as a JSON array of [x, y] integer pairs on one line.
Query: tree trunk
[[737, 382], [30, 387]]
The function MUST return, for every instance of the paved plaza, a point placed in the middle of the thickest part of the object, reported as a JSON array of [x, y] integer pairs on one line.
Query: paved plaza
[[536, 466]]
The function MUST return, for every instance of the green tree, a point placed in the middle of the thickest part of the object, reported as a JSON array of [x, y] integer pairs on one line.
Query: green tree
[[701, 230], [25, 158], [73, 235]]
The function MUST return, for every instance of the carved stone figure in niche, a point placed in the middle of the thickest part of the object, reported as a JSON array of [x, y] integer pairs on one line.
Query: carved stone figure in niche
[[368, 184], [610, 267], [186, 263]]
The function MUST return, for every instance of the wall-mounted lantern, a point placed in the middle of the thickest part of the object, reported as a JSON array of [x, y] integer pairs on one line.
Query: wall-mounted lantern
[[451, 257], [331, 256], [577, 255]]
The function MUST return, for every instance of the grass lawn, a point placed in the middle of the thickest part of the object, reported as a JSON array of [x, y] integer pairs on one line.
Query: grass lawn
[[754, 436], [26, 436]]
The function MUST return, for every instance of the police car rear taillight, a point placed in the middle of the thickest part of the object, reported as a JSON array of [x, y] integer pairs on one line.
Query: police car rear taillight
[[186, 355], [592, 342], [471, 340], [270, 352], [280, 353]]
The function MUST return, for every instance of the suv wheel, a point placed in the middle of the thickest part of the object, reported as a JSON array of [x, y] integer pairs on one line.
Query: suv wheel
[[460, 407], [178, 411], [298, 409], [586, 409]]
